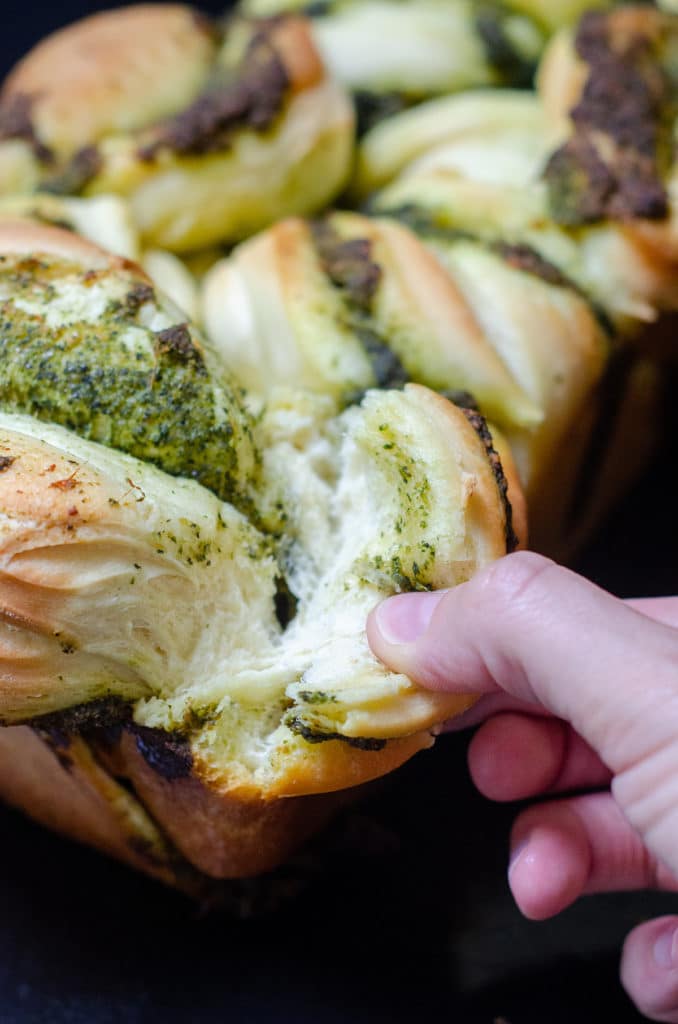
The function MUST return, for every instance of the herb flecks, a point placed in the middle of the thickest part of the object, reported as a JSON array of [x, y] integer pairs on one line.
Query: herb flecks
[[152, 395]]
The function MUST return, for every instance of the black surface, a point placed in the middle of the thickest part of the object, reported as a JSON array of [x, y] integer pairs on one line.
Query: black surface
[[404, 916]]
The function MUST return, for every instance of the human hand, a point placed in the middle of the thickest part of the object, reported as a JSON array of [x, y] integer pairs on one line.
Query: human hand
[[578, 691]]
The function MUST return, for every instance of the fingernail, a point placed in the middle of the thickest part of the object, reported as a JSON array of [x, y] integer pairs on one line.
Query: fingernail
[[517, 850], [666, 949], [403, 619]]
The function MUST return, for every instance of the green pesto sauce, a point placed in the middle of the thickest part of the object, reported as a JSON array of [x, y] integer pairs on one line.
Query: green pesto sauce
[[153, 400], [410, 568]]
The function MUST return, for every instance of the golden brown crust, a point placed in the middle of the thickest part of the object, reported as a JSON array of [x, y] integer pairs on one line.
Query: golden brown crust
[[224, 834], [110, 73], [293, 41], [60, 783], [19, 236], [71, 786]]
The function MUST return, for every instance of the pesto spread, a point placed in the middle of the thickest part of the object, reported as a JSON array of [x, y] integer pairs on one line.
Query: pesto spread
[[252, 97], [90, 350], [614, 164], [349, 265]]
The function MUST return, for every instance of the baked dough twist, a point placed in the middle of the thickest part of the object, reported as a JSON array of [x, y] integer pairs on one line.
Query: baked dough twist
[[583, 171], [484, 267], [209, 135]]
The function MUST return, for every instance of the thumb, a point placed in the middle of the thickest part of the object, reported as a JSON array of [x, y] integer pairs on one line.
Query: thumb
[[538, 632]]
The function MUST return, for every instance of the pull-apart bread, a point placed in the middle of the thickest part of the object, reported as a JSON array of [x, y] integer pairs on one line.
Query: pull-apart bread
[[350, 302], [210, 131], [583, 171], [184, 673], [570, 188], [194, 528]]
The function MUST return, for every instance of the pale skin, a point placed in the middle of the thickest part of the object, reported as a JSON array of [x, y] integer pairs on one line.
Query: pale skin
[[578, 692]]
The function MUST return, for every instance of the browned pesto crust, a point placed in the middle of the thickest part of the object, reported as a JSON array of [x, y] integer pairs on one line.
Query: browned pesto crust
[[16, 123], [349, 266], [348, 263], [250, 95], [78, 172], [103, 721], [621, 147], [251, 98], [479, 424]]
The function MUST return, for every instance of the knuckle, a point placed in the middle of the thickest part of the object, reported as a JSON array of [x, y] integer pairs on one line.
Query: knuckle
[[521, 578]]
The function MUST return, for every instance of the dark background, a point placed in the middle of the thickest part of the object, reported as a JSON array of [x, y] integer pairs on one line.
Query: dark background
[[400, 913]]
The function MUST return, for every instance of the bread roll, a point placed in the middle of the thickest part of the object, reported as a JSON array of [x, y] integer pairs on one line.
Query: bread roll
[[209, 137], [205, 638], [350, 302]]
